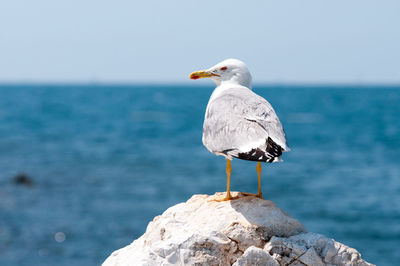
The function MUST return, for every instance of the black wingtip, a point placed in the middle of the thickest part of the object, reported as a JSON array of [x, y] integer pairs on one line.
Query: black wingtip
[[271, 152], [273, 148]]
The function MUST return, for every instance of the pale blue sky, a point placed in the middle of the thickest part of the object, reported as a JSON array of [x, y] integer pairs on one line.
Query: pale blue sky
[[154, 41]]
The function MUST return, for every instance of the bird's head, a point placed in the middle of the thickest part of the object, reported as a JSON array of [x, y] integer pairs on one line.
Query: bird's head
[[229, 70]]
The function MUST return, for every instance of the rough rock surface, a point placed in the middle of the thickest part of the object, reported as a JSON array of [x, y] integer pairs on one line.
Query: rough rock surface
[[312, 249], [240, 232]]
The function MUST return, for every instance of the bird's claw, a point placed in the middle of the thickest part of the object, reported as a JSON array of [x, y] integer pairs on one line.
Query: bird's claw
[[258, 195]]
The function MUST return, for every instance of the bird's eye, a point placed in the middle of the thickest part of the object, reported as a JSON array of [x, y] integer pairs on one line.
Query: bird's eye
[[223, 68]]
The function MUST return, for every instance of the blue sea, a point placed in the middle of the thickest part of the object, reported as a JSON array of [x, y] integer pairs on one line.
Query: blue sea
[[105, 159]]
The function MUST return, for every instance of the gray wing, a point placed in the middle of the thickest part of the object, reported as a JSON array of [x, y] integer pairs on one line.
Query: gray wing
[[242, 124]]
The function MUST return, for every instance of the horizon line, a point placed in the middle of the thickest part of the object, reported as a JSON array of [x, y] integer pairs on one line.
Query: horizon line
[[186, 83]]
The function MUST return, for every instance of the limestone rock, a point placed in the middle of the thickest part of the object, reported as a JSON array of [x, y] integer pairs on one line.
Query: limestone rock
[[244, 231], [207, 232], [312, 249], [255, 257]]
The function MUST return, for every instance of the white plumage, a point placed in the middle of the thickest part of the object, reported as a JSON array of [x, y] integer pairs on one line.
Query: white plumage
[[238, 122]]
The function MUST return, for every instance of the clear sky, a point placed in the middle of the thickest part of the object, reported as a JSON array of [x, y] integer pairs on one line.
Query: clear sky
[[308, 41]]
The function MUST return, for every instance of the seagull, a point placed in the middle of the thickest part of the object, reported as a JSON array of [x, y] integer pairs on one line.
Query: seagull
[[239, 123]]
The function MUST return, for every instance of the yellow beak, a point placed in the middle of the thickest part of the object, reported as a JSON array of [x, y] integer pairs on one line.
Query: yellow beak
[[201, 74]]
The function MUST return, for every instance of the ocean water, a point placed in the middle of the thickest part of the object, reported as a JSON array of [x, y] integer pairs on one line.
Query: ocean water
[[104, 160]]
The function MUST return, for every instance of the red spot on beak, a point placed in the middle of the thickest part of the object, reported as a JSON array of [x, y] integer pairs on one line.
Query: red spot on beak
[[194, 77]]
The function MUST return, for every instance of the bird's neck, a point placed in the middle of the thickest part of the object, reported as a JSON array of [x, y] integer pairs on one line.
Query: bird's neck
[[234, 82], [223, 87]]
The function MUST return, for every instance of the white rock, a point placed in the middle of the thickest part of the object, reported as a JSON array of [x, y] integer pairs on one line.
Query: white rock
[[254, 256], [206, 232], [311, 258], [312, 249], [244, 231]]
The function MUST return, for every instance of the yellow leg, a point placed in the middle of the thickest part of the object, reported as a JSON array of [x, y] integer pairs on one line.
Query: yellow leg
[[228, 182], [259, 194]]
